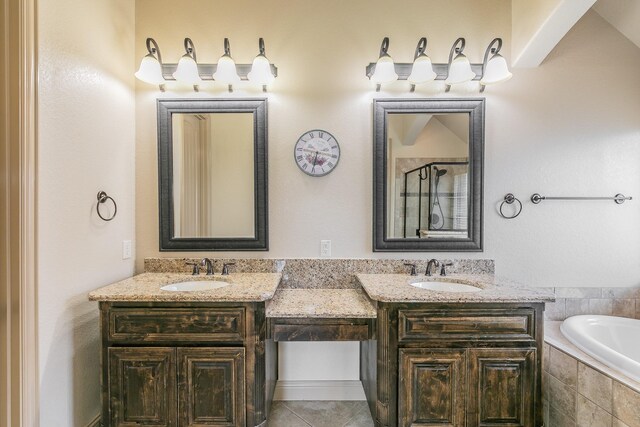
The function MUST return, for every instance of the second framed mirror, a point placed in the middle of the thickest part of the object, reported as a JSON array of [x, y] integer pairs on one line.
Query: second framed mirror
[[428, 161]]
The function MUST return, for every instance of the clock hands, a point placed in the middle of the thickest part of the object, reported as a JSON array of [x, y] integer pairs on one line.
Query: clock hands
[[306, 150], [314, 161]]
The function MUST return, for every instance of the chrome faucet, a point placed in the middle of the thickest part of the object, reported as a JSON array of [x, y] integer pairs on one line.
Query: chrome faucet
[[209, 264], [225, 268], [432, 262], [196, 268]]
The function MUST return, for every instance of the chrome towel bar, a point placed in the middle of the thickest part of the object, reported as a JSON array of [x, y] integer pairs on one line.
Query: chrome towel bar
[[618, 198]]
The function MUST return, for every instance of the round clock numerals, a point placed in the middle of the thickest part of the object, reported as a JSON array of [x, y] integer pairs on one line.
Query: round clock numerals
[[317, 152]]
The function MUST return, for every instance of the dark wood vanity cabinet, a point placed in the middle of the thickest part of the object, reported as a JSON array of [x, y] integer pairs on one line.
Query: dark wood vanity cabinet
[[186, 364], [457, 365]]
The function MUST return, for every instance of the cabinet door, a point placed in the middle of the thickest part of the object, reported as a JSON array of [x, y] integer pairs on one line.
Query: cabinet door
[[211, 384], [502, 385], [431, 387], [142, 388]]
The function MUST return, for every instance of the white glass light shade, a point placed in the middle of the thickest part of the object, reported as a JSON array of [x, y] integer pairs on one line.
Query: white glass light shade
[[187, 71], [385, 71], [422, 71], [226, 71], [496, 71], [460, 71], [150, 71], [260, 73]]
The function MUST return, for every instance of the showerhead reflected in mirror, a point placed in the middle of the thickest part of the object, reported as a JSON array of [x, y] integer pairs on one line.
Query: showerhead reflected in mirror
[[428, 157]]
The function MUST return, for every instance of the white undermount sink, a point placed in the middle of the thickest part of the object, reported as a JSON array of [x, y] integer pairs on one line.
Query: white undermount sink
[[195, 285], [445, 286]]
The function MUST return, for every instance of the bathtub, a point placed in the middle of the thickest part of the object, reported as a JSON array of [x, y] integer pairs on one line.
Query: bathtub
[[614, 341]]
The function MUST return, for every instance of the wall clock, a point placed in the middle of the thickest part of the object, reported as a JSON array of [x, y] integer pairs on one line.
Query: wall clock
[[317, 152]]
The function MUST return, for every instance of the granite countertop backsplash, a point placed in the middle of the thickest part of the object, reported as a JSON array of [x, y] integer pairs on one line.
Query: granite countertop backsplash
[[397, 288], [325, 303], [243, 287], [319, 273]]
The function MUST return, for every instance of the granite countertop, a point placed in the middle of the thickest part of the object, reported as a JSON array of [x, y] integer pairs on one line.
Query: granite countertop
[[326, 303], [145, 287], [397, 288]]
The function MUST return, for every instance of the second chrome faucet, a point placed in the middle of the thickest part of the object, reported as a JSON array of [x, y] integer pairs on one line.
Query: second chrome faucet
[[430, 264]]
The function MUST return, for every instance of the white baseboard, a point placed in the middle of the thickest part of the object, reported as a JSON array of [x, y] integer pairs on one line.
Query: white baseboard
[[96, 422], [319, 390]]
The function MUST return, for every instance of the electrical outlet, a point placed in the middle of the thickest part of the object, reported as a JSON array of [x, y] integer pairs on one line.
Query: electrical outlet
[[325, 248], [126, 249]]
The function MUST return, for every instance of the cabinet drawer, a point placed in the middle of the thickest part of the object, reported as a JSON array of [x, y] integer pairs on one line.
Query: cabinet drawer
[[320, 329], [194, 324], [320, 332], [466, 324]]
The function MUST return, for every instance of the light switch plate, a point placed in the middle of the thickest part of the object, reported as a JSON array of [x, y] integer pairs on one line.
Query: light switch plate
[[325, 248], [126, 249]]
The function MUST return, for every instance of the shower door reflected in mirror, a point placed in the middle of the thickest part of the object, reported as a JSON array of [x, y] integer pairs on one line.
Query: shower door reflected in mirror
[[428, 158], [213, 178]]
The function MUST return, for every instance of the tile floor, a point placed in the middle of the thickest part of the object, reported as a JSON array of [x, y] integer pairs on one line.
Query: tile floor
[[298, 413]]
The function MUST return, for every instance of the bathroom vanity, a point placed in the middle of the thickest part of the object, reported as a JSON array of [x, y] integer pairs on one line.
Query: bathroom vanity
[[195, 358], [209, 358], [455, 359]]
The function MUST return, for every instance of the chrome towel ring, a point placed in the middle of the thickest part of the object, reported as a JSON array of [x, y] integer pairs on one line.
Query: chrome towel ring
[[102, 198], [510, 199]]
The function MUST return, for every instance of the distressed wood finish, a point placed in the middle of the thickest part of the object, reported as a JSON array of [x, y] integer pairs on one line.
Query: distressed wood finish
[[211, 387], [194, 324], [502, 385], [432, 387], [466, 324], [320, 329], [216, 352], [142, 386], [502, 348]]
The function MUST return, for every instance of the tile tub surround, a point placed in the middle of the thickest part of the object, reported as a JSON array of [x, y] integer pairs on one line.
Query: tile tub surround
[[397, 288], [317, 273], [610, 301], [244, 287], [579, 391], [321, 303]]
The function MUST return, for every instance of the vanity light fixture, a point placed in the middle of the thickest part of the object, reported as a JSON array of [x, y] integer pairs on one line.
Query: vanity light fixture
[[457, 70], [226, 71], [494, 69], [150, 70], [261, 73], [187, 71], [384, 69], [422, 69]]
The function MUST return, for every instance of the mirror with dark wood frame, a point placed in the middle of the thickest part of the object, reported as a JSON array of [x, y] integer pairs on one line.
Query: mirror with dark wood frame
[[212, 160], [427, 166]]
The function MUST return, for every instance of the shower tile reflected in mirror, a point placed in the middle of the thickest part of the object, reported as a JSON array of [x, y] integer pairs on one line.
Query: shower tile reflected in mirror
[[428, 175]]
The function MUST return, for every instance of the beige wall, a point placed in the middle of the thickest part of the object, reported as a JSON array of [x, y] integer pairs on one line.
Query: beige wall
[[321, 49], [86, 144], [569, 127]]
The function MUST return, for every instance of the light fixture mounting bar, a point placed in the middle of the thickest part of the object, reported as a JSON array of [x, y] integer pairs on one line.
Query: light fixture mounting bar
[[403, 70], [206, 71]]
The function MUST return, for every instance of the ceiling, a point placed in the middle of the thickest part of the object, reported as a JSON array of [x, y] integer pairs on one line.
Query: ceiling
[[624, 15]]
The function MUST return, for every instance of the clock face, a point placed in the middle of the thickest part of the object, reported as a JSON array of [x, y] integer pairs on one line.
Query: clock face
[[317, 152]]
